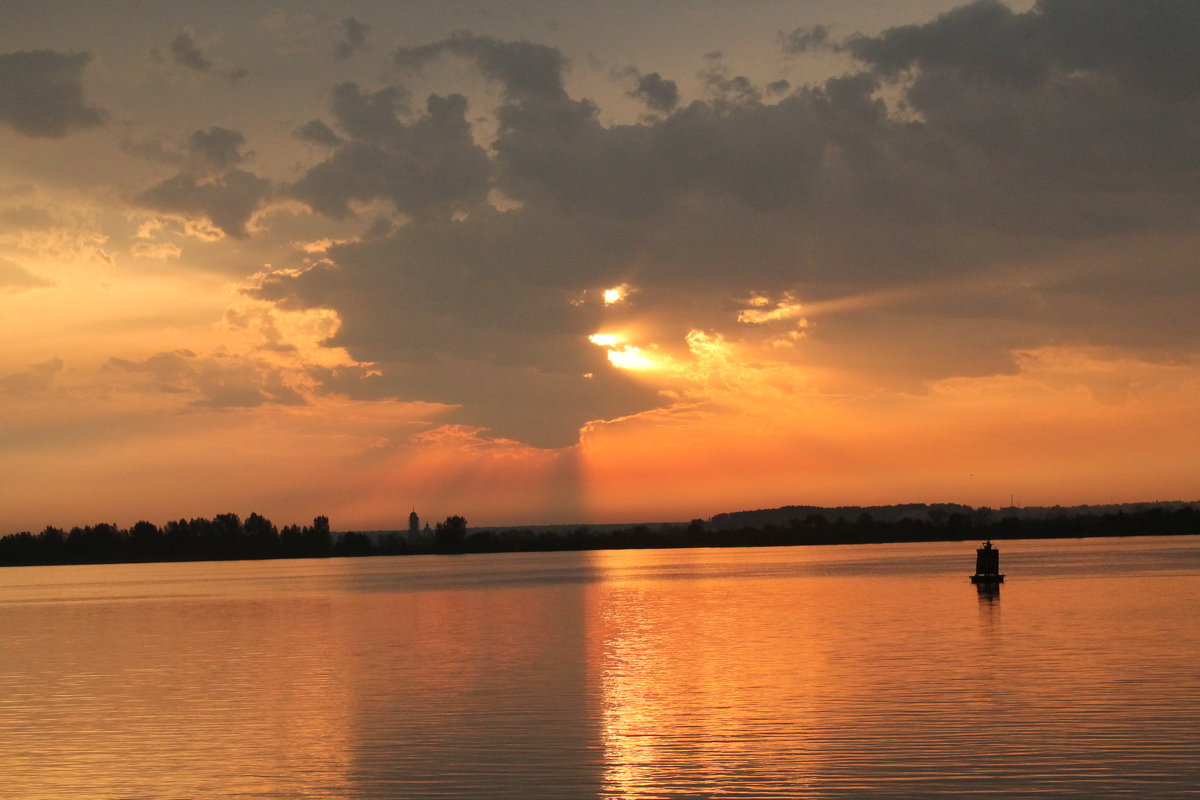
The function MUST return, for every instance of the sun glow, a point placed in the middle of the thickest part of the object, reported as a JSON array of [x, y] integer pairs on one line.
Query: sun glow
[[614, 295], [624, 356], [629, 357], [605, 339]]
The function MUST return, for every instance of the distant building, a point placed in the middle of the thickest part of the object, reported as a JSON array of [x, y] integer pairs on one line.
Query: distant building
[[414, 522]]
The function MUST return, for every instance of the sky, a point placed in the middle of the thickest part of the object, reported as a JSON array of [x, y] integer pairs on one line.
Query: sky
[[557, 262]]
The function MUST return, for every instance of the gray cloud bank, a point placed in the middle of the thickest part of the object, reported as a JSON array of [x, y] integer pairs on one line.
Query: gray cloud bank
[[1033, 174], [211, 185], [41, 93]]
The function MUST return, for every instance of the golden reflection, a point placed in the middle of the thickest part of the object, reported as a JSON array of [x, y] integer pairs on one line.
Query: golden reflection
[[243, 693], [695, 697]]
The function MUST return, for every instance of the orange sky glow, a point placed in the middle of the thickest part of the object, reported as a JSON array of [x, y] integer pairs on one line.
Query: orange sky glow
[[575, 270]]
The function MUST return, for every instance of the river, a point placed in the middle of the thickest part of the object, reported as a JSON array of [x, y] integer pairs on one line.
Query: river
[[799, 672]]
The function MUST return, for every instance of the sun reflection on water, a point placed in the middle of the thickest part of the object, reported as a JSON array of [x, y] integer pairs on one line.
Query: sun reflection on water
[[679, 706]]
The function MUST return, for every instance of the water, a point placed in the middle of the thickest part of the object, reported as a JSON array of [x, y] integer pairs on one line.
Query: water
[[853, 671]]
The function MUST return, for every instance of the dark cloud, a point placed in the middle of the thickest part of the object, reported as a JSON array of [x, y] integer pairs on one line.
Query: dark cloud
[[15, 278], [803, 40], [1060, 99], [427, 166], [1148, 47], [983, 40], [205, 151], [221, 380], [38, 378], [658, 93], [475, 313], [41, 93], [217, 149], [353, 37], [317, 132], [185, 52], [975, 186], [374, 115], [726, 89], [210, 184], [228, 201], [526, 70]]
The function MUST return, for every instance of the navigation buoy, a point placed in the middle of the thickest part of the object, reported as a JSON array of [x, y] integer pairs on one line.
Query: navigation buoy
[[987, 565]]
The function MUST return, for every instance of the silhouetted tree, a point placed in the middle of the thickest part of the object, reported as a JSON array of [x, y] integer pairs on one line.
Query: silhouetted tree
[[262, 539], [353, 544], [291, 542], [145, 542], [317, 542], [449, 535]]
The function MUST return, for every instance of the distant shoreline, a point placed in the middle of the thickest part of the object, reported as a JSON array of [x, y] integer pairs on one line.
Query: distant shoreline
[[228, 539]]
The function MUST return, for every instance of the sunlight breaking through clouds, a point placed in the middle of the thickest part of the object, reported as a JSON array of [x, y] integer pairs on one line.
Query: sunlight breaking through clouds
[[630, 357], [761, 310], [627, 356], [497, 226]]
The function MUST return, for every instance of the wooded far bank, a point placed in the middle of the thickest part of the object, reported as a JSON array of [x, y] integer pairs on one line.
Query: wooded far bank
[[226, 537]]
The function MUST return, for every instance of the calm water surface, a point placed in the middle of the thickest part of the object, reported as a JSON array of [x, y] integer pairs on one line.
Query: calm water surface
[[852, 671]]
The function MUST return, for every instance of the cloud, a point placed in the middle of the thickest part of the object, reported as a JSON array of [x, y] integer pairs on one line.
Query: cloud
[[658, 93], [977, 185], [1145, 47], [317, 132], [369, 116], [228, 201], [429, 166], [186, 53], [217, 149], [725, 89], [205, 151], [221, 380], [38, 378], [15, 278], [353, 38], [41, 93], [526, 70], [160, 251], [211, 184], [803, 40]]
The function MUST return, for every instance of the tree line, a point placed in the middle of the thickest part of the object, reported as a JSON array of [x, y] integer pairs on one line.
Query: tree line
[[227, 537], [821, 529]]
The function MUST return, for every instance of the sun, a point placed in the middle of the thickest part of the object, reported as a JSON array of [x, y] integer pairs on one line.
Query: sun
[[625, 356], [631, 358]]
